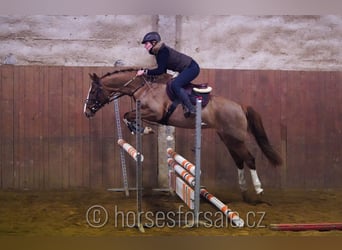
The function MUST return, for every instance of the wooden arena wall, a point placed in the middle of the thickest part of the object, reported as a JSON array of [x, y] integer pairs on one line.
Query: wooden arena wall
[[46, 142]]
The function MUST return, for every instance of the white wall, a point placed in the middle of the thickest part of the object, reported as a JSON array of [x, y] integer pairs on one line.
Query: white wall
[[231, 42], [265, 42]]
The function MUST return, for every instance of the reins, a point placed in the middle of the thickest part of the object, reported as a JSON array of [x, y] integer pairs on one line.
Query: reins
[[122, 93]]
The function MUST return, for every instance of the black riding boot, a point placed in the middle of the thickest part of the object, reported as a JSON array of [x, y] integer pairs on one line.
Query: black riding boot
[[189, 109]]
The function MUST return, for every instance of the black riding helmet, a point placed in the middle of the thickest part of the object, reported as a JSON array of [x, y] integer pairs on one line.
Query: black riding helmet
[[151, 36]]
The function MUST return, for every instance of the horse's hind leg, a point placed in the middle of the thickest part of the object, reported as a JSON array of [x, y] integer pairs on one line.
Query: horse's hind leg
[[241, 155], [235, 148], [249, 159], [242, 152], [241, 171]]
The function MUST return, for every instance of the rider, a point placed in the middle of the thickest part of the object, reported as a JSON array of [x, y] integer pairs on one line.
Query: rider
[[168, 58]]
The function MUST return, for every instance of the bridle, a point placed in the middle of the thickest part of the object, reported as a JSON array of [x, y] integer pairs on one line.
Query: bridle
[[96, 104], [113, 96]]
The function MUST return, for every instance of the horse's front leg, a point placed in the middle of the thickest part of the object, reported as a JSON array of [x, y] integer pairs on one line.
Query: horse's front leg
[[130, 121]]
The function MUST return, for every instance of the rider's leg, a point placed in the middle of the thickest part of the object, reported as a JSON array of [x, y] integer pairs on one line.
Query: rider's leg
[[184, 78], [189, 107]]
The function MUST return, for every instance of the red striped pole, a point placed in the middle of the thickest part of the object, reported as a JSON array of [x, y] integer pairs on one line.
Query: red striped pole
[[182, 161], [130, 149], [306, 226], [221, 206], [190, 179]]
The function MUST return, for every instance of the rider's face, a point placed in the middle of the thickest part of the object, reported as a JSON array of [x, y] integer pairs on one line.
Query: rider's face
[[148, 46]]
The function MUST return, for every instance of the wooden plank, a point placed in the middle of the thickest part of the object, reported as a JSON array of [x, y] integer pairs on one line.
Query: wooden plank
[[17, 114], [315, 129], [66, 130], [283, 82], [108, 142], [28, 128], [274, 129], [25, 179], [85, 130], [40, 176], [332, 117], [68, 124], [269, 103], [20, 78], [44, 129], [2, 135], [76, 167], [32, 127], [96, 147], [55, 154], [7, 173], [296, 129]]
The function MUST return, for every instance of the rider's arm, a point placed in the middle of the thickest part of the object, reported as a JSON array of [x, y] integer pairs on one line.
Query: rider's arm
[[162, 58]]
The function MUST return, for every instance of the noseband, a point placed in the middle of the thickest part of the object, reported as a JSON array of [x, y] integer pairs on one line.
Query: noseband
[[96, 104]]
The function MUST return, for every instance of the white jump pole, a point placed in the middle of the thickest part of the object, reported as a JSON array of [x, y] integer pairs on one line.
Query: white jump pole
[[198, 159], [139, 180]]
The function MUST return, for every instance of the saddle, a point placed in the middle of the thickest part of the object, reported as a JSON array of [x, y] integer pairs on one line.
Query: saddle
[[194, 91]]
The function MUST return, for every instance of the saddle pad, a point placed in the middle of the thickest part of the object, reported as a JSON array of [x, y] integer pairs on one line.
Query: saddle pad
[[193, 95]]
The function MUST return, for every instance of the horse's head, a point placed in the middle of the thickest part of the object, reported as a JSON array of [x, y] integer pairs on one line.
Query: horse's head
[[96, 98], [109, 87]]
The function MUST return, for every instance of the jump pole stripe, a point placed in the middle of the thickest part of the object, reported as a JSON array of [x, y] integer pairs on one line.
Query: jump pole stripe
[[219, 204], [190, 179], [182, 161], [130, 149]]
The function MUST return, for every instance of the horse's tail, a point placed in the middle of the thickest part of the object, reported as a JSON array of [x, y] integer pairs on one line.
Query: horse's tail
[[257, 128]]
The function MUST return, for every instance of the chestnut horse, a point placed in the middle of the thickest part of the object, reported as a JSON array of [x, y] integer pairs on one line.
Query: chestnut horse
[[231, 120]]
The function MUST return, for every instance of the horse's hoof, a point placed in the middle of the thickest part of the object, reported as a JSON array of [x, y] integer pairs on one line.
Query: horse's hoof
[[259, 190], [245, 197], [260, 194], [259, 199], [148, 130]]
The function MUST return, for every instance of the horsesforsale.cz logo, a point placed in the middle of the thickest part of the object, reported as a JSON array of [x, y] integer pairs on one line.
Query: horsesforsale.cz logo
[[97, 216]]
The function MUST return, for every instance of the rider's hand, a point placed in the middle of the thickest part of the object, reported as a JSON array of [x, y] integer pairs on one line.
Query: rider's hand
[[140, 72]]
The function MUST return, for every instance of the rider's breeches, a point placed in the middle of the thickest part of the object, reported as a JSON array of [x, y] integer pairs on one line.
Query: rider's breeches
[[185, 77]]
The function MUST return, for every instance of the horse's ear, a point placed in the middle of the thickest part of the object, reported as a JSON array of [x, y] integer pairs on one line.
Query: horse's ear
[[94, 77]]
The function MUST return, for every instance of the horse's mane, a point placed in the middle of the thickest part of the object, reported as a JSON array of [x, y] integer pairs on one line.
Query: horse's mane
[[119, 71], [162, 77]]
